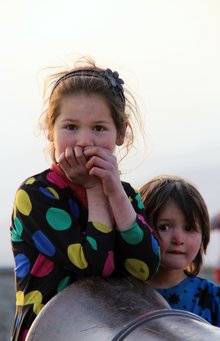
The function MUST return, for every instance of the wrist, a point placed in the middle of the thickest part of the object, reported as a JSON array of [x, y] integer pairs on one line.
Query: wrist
[[94, 189]]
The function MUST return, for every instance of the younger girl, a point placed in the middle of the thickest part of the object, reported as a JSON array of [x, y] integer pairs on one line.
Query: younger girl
[[77, 218], [179, 216]]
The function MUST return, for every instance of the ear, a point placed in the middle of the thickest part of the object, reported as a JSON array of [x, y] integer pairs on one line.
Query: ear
[[121, 135], [50, 137], [120, 140]]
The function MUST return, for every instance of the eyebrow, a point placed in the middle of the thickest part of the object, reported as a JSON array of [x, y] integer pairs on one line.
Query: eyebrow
[[165, 219], [78, 121]]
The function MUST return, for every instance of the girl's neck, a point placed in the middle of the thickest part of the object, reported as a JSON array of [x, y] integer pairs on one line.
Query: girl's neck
[[166, 278]]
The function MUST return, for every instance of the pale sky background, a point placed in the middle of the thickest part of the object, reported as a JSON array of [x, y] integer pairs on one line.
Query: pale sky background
[[167, 52]]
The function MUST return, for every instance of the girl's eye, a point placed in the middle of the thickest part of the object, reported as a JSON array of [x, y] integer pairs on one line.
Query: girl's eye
[[163, 228], [191, 229], [99, 128], [71, 127]]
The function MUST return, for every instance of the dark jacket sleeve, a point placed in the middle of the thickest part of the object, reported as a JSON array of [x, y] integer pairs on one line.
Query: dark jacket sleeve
[[138, 249]]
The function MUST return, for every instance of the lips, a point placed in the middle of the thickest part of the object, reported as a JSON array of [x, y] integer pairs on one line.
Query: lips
[[175, 252]]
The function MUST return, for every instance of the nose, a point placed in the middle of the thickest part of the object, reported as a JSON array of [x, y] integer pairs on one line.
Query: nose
[[84, 139], [178, 236]]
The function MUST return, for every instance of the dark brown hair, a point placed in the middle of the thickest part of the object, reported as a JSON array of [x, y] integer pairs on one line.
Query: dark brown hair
[[157, 192]]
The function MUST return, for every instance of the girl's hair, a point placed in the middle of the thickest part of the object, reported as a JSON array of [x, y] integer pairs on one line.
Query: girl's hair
[[155, 195], [88, 79]]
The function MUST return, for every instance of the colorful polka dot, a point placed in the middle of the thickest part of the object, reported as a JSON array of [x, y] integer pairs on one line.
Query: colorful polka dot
[[37, 307], [19, 227], [155, 245], [19, 299], [74, 208], [92, 242], [137, 268], [76, 256], [14, 237], [23, 202], [134, 235], [14, 210], [19, 317], [16, 233], [22, 263], [109, 265], [32, 297], [42, 267], [43, 244], [139, 201], [30, 181], [63, 283], [141, 218], [101, 227], [23, 335], [58, 219], [49, 192]]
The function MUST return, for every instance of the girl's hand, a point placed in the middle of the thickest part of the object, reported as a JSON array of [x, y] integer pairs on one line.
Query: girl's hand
[[73, 163], [103, 165]]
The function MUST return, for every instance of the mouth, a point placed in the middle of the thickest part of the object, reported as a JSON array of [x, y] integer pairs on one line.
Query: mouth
[[176, 252]]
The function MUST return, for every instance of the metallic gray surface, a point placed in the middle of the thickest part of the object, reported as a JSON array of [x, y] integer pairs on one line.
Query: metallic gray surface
[[127, 309]]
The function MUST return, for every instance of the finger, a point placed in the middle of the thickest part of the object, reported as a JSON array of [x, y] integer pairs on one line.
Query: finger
[[96, 151], [96, 162], [110, 181], [79, 156], [70, 157], [109, 163], [63, 161]]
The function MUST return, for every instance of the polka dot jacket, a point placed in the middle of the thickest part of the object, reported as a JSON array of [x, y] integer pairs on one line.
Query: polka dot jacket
[[197, 295], [54, 244]]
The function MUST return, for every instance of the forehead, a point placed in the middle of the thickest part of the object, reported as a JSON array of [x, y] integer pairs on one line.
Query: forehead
[[171, 209], [83, 107], [83, 101]]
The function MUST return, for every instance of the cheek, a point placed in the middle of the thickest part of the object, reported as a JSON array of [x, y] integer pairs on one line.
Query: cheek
[[108, 144], [163, 245], [194, 245], [61, 141]]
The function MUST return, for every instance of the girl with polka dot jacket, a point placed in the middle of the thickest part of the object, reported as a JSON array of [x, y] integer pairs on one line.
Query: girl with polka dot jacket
[[179, 216], [78, 218]]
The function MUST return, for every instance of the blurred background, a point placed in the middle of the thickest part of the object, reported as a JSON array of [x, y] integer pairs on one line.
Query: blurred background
[[168, 54]]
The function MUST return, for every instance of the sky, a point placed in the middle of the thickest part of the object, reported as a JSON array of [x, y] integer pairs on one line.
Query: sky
[[167, 52]]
